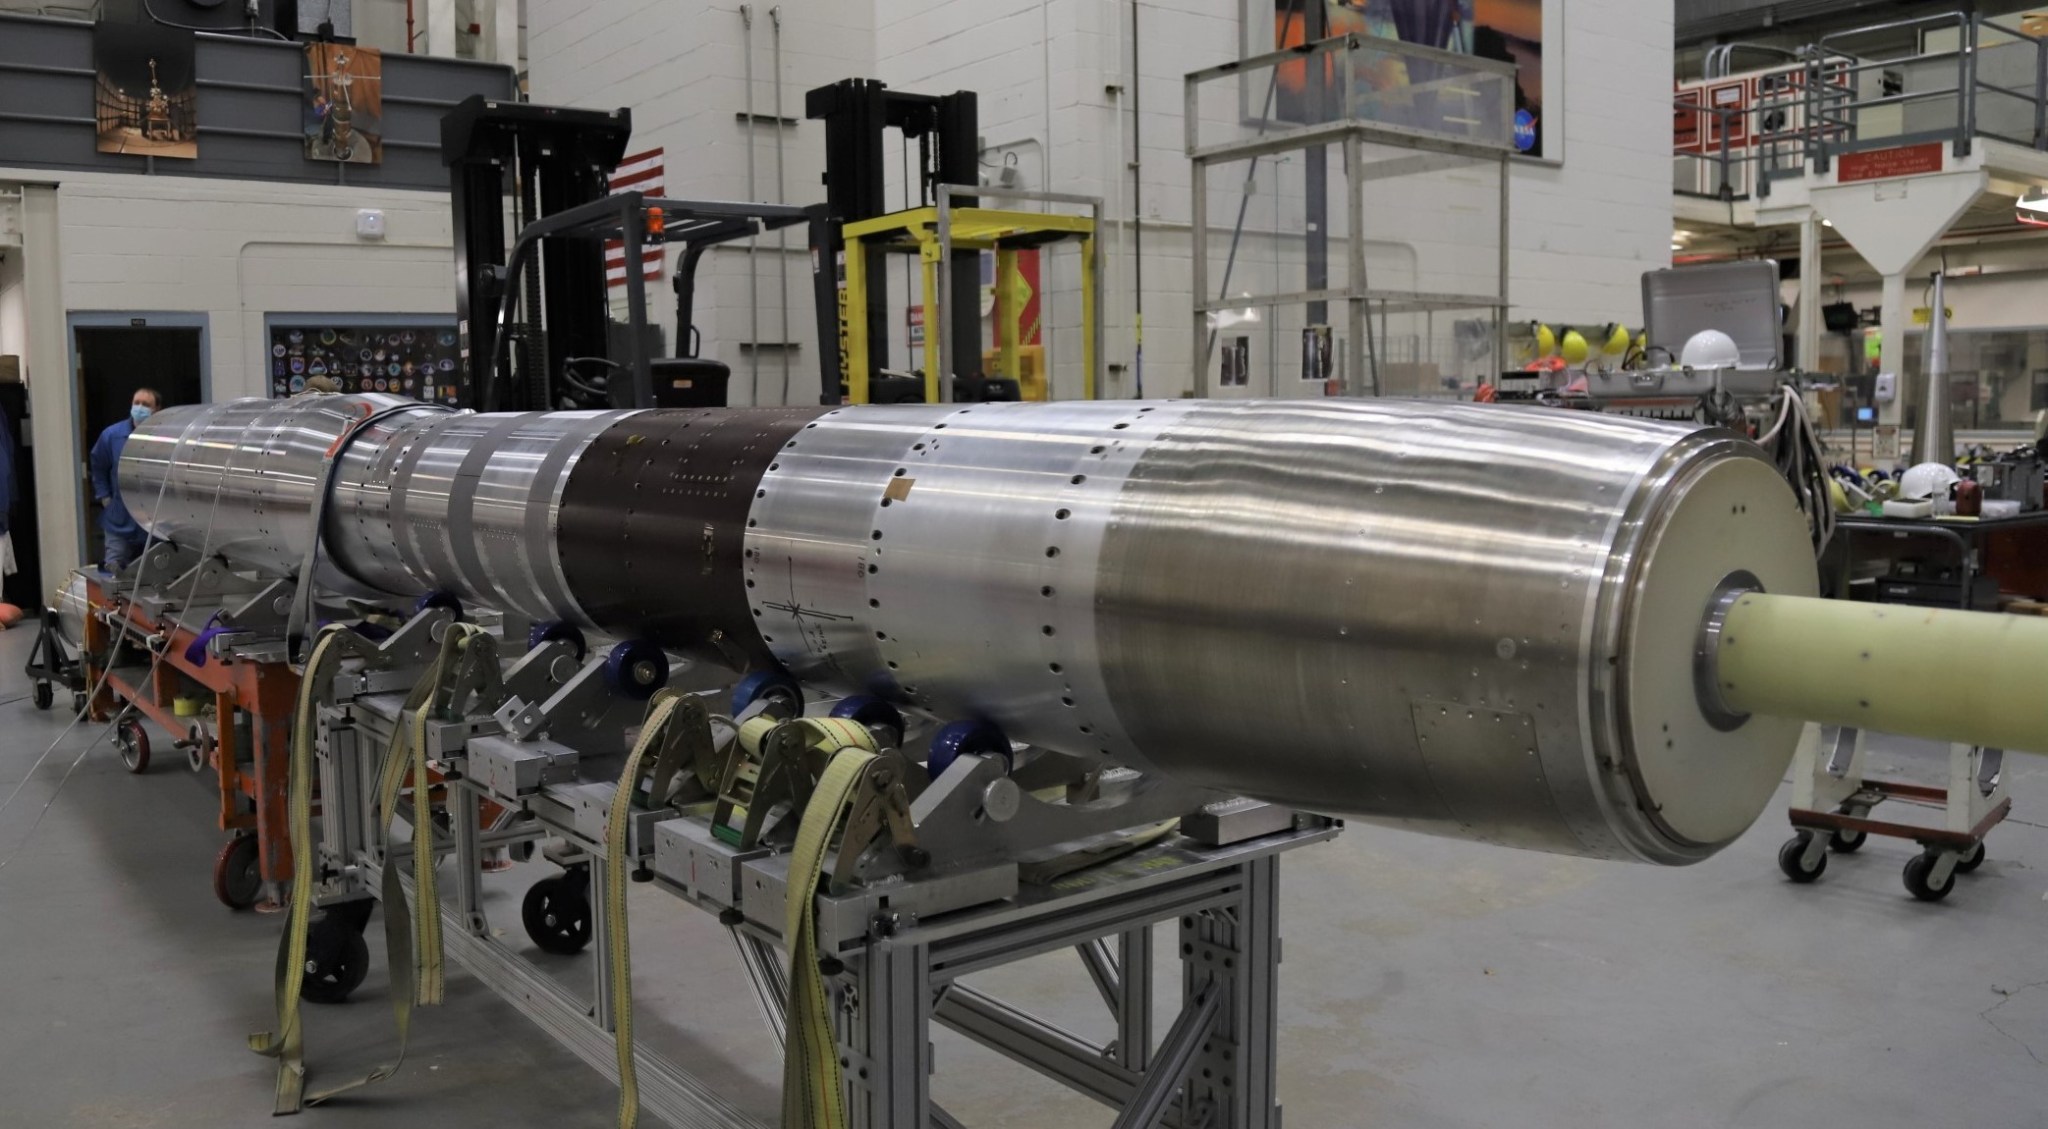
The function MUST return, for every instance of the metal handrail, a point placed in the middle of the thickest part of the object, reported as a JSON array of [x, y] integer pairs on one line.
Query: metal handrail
[[1956, 17], [1831, 112]]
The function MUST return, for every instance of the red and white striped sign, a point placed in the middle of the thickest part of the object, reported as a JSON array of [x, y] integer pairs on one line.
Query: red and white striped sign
[[639, 172]]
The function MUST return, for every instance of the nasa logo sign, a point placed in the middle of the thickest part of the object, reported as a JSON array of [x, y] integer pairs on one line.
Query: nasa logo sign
[[1525, 131]]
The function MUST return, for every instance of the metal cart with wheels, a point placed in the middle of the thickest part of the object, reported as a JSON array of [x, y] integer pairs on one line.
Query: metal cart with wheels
[[1832, 800], [143, 653], [53, 659]]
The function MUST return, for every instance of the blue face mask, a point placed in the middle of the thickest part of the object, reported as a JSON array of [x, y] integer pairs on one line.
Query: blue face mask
[[138, 413]]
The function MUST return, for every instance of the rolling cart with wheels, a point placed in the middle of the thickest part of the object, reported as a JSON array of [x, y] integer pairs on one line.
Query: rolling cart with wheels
[[140, 655], [132, 740], [1832, 802], [53, 661], [556, 911]]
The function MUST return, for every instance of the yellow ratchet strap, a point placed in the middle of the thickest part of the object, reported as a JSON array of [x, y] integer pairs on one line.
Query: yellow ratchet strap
[[287, 1043], [756, 730], [812, 1096], [668, 717], [425, 970], [415, 955]]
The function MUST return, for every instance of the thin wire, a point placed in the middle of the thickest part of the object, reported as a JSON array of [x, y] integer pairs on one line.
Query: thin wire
[[235, 31], [1795, 446], [121, 637]]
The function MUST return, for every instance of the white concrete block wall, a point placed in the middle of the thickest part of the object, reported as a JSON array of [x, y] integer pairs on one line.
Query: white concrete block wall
[[231, 251], [381, 24], [1586, 230], [236, 250], [1053, 80], [13, 306], [681, 68]]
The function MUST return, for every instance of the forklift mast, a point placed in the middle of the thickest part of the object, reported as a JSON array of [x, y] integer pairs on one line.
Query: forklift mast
[[552, 159], [856, 113]]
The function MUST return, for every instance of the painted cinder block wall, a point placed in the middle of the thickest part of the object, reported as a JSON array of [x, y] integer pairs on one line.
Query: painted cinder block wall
[[1053, 80]]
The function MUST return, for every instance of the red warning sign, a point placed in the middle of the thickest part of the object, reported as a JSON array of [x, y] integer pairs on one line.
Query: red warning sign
[[1877, 164]]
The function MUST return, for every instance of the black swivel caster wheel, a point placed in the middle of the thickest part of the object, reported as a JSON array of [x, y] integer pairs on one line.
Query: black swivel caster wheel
[[337, 960], [556, 913], [1971, 860], [1792, 859], [46, 695], [133, 742], [1920, 874], [1846, 842], [78, 703]]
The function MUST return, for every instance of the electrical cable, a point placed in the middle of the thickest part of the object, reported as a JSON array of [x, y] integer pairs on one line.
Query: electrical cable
[[1795, 445], [237, 32], [150, 541]]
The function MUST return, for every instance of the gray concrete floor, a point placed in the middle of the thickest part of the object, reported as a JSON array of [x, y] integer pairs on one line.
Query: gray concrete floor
[[1427, 984]]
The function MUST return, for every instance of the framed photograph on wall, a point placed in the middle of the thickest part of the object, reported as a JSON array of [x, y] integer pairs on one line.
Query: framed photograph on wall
[[1318, 353], [344, 117], [1514, 31], [145, 93], [398, 354], [1237, 362]]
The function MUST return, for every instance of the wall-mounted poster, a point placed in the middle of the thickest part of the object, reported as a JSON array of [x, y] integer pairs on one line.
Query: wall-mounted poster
[[1237, 362], [344, 118], [416, 358], [1509, 30], [145, 102], [1318, 353]]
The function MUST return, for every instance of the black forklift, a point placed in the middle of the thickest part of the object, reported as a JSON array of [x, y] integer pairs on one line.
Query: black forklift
[[534, 317]]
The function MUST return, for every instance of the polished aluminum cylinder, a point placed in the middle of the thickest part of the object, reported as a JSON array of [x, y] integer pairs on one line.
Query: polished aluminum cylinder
[[1475, 620], [1934, 437], [1428, 614], [239, 477], [421, 501], [72, 605]]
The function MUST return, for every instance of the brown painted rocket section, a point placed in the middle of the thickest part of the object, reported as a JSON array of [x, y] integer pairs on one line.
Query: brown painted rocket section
[[653, 520]]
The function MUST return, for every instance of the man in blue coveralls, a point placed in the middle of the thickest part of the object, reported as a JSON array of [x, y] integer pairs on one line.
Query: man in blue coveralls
[[124, 538]]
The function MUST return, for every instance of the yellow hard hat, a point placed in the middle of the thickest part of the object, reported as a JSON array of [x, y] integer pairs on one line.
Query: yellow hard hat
[[1546, 339], [1614, 339], [1575, 348]]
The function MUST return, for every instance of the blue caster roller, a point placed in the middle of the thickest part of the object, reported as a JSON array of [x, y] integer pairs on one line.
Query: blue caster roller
[[965, 738], [636, 669], [766, 684], [874, 713], [446, 600], [557, 631]]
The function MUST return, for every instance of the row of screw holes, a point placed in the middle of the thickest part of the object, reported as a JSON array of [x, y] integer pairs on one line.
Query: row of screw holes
[[1187, 952], [1053, 552], [910, 691]]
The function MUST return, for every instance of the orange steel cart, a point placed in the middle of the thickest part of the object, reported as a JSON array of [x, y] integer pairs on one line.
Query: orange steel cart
[[143, 679]]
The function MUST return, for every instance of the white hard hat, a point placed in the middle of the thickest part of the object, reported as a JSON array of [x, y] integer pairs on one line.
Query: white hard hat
[[1711, 348], [1928, 480]]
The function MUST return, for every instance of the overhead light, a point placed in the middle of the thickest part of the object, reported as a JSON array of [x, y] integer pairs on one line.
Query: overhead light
[[1677, 246], [1232, 319], [1827, 223], [2034, 200]]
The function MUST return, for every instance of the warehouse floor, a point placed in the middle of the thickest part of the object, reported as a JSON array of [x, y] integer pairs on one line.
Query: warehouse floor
[[1426, 984]]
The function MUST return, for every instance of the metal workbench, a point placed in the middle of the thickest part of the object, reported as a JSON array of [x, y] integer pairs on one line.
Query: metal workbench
[[1965, 537]]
